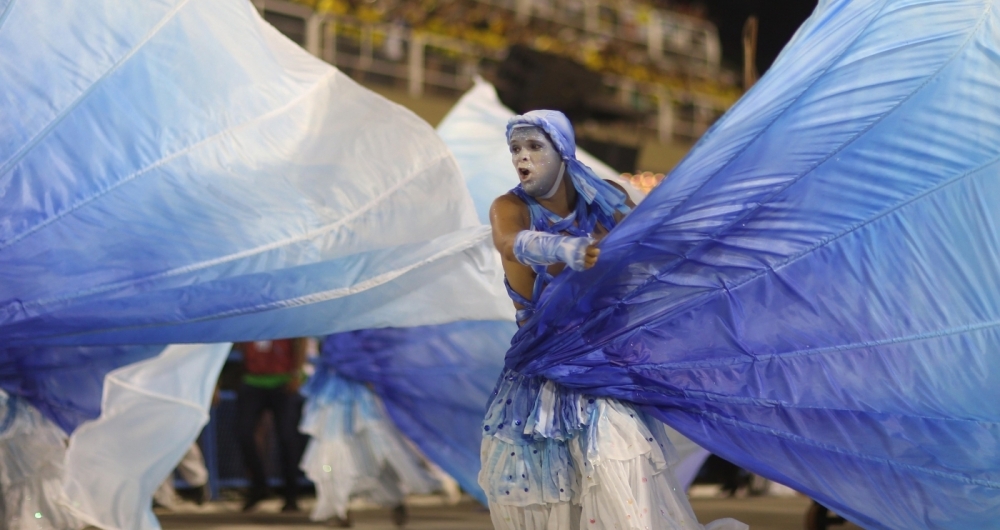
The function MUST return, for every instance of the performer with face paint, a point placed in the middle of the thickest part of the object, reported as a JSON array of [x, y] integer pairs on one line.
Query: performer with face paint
[[552, 458], [548, 221]]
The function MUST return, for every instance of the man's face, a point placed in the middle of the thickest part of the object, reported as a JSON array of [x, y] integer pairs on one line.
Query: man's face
[[536, 160]]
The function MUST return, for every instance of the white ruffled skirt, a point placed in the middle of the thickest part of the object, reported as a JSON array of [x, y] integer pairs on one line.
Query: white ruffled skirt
[[554, 459], [355, 451]]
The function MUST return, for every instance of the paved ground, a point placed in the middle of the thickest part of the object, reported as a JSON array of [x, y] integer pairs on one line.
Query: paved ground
[[761, 513]]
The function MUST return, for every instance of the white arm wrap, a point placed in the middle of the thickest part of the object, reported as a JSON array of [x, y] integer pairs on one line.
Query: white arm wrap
[[538, 248]]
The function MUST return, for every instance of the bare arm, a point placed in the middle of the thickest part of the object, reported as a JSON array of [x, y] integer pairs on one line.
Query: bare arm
[[508, 217], [299, 346]]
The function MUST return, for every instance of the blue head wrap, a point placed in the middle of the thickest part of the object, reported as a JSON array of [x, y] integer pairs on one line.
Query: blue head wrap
[[594, 190]]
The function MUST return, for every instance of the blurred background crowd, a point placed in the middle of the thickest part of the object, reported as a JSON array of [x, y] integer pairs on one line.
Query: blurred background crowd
[[614, 38], [641, 80]]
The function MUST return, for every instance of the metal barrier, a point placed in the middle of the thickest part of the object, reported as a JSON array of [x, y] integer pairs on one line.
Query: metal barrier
[[393, 52]]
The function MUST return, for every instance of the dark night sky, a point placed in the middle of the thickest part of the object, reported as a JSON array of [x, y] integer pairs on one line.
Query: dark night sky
[[778, 20]]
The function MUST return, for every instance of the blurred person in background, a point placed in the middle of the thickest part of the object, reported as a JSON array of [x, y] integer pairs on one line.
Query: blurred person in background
[[271, 380], [355, 450]]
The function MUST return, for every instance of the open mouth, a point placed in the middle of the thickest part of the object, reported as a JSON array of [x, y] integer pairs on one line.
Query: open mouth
[[524, 171]]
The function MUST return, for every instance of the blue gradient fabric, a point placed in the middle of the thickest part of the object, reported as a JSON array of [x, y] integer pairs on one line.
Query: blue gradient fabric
[[435, 382], [814, 292], [179, 171], [65, 383], [174, 171]]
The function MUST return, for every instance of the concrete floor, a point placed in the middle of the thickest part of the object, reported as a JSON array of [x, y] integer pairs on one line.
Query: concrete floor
[[761, 513]]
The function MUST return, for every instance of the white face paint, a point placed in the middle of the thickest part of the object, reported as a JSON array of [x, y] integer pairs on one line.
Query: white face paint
[[536, 160]]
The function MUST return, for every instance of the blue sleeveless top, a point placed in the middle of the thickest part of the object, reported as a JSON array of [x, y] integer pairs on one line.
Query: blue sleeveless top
[[581, 222]]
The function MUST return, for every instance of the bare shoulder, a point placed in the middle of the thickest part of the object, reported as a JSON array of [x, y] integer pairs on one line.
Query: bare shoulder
[[509, 201], [509, 215], [508, 207]]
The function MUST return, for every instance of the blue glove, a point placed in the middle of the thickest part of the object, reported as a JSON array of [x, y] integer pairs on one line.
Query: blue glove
[[538, 248]]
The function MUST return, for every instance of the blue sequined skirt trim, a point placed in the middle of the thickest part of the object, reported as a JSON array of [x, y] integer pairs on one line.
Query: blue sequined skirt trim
[[526, 409], [541, 440], [556, 458]]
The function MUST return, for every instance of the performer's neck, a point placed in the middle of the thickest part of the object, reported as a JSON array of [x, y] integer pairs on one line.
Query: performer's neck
[[563, 202]]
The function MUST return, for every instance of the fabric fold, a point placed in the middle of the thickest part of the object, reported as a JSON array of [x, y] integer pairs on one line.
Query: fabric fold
[[116, 462]]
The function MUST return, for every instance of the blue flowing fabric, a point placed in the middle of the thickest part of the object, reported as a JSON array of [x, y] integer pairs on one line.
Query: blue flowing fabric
[[65, 383], [814, 292], [434, 381], [177, 171]]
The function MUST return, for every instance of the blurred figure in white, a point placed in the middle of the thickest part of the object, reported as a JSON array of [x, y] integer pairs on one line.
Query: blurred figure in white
[[450, 491], [356, 452], [192, 469]]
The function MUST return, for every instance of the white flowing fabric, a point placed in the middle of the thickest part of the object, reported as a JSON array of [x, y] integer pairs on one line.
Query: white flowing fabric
[[151, 412], [243, 188], [690, 457], [554, 459]]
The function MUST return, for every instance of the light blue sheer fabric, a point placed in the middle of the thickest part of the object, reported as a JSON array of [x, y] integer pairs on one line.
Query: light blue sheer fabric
[[812, 293], [434, 381], [187, 170], [65, 383], [175, 171]]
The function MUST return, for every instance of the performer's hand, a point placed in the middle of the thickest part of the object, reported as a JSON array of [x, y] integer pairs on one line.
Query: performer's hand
[[590, 257]]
